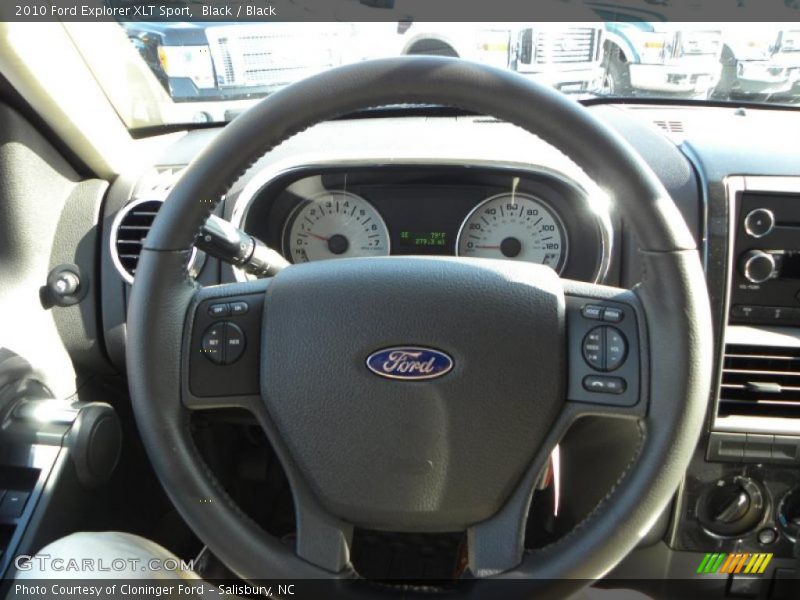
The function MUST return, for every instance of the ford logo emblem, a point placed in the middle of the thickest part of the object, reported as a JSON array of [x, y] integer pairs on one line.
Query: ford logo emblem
[[409, 363]]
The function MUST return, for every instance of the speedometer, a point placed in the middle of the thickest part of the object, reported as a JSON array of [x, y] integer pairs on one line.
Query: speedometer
[[335, 224], [516, 227]]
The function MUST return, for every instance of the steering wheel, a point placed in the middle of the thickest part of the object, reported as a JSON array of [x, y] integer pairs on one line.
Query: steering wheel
[[460, 450]]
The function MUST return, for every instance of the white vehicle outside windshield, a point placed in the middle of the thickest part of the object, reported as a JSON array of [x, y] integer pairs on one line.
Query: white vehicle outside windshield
[[184, 72]]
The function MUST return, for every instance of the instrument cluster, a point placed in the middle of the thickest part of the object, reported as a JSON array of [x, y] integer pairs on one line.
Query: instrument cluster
[[470, 211]]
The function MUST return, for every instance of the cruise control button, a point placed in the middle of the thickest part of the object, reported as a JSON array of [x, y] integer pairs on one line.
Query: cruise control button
[[592, 311], [616, 349], [239, 308], [212, 343], [613, 315], [604, 385], [234, 343], [219, 310], [593, 348]]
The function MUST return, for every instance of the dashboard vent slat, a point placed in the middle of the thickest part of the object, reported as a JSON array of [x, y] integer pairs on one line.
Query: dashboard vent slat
[[761, 381], [129, 232]]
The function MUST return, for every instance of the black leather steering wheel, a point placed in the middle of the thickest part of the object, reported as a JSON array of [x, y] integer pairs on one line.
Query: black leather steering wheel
[[458, 452]]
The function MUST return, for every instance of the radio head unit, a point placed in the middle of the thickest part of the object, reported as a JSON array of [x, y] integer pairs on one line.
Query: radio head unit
[[765, 278]]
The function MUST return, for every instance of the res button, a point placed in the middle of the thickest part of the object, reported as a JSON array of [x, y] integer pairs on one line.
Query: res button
[[234, 343]]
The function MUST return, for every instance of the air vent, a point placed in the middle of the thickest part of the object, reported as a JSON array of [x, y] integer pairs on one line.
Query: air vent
[[128, 232], [670, 126], [761, 381]]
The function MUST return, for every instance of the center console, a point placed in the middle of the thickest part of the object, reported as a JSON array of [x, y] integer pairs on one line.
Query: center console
[[741, 495]]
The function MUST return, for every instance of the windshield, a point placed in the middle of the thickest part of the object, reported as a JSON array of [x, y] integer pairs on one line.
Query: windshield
[[172, 72]]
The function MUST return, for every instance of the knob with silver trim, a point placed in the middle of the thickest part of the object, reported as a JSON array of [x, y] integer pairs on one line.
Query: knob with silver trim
[[759, 222], [732, 507], [758, 266]]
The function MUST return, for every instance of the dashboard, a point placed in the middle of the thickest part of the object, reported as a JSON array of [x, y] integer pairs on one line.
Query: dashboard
[[473, 186]]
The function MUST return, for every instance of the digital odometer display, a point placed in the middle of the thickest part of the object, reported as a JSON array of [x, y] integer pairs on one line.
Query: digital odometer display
[[422, 239]]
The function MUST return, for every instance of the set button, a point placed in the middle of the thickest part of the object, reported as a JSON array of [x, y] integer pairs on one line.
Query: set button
[[605, 348], [223, 343]]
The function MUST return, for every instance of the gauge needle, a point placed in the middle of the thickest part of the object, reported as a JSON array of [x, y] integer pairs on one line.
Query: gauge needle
[[488, 247], [319, 237]]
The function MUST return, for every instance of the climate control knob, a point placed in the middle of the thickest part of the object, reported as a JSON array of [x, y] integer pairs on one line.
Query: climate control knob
[[758, 266], [788, 514], [732, 506]]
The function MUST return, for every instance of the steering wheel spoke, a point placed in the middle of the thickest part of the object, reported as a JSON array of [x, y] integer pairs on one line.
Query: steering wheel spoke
[[222, 347], [222, 361], [496, 545]]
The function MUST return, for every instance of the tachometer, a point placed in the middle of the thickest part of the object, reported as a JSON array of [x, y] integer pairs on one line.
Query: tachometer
[[335, 224], [516, 227]]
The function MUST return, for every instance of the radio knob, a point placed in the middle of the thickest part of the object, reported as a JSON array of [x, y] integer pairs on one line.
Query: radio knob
[[758, 266], [759, 222]]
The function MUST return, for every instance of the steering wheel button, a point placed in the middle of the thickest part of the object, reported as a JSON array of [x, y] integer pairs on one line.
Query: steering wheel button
[[239, 308], [616, 347], [234, 343], [592, 311], [593, 349], [613, 315], [219, 310], [604, 385], [211, 345]]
